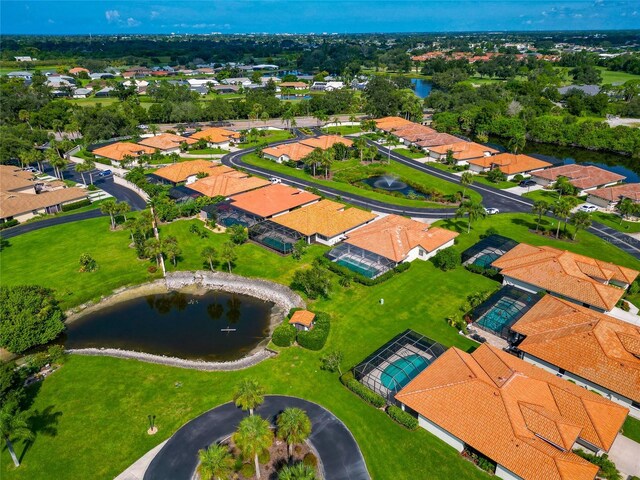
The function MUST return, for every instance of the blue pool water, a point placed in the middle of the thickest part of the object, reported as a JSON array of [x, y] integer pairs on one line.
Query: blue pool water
[[402, 371], [358, 267]]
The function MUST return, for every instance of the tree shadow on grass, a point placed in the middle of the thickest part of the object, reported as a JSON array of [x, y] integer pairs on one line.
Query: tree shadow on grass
[[457, 225], [42, 422], [531, 223]]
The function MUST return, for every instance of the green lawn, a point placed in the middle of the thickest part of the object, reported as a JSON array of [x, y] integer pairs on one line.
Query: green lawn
[[408, 153], [208, 151], [550, 196], [612, 220], [343, 130], [271, 136], [631, 429], [98, 406], [395, 168], [501, 185]]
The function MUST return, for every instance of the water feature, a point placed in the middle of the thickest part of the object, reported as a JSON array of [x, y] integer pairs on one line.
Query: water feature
[[215, 326], [293, 97], [390, 183], [421, 87]]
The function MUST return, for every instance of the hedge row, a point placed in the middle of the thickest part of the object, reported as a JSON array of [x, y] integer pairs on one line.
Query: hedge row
[[75, 205], [284, 335], [343, 271], [364, 393], [9, 223], [402, 417], [487, 272], [315, 338]]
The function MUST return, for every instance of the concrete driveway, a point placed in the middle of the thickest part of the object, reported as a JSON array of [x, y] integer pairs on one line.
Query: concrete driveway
[[625, 453]]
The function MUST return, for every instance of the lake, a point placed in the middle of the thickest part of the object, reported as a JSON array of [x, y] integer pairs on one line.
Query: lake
[[421, 87]]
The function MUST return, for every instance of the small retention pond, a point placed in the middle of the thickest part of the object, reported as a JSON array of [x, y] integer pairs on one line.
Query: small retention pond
[[215, 326], [393, 185]]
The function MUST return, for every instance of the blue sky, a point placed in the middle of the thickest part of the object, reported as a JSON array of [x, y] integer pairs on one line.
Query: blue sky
[[317, 16]]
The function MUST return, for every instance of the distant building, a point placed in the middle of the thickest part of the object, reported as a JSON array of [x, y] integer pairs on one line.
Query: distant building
[[25, 59]]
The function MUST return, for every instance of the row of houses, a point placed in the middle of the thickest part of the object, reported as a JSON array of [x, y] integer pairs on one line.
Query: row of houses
[[296, 151]]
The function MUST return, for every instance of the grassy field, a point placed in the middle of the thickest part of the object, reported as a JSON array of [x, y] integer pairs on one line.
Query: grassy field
[[343, 130], [408, 153], [631, 429], [271, 136], [394, 168], [501, 185], [98, 406], [612, 220], [208, 151]]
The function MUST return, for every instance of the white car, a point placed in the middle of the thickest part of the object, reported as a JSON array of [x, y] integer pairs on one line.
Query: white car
[[491, 211], [275, 180], [588, 208]]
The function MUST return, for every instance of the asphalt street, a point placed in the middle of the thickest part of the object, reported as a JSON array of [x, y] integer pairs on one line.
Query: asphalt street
[[339, 453]]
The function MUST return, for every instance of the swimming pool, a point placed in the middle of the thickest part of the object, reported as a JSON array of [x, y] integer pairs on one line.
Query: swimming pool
[[402, 371], [503, 314], [354, 265], [485, 260], [277, 244]]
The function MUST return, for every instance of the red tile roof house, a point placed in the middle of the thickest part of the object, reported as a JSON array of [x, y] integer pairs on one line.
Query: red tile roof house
[[583, 177], [523, 418], [303, 320], [591, 349], [510, 164], [608, 197], [462, 151]]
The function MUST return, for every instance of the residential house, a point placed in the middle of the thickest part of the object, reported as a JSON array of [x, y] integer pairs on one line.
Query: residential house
[[287, 152], [101, 76], [387, 124], [240, 81], [222, 89], [26, 76], [222, 181], [461, 151], [590, 349], [119, 150], [325, 142], [303, 320], [217, 137], [508, 163], [183, 172], [583, 280], [77, 70], [167, 143], [427, 141], [294, 85], [82, 92], [609, 197], [105, 92], [583, 177], [25, 58], [523, 418]]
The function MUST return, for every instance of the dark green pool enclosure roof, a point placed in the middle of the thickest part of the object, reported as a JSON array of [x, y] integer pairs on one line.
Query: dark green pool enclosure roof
[[387, 370], [495, 245]]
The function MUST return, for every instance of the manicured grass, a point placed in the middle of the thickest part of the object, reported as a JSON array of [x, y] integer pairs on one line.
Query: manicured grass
[[631, 429], [343, 130], [400, 170], [408, 153], [93, 206], [271, 136], [208, 151], [550, 196], [612, 220], [501, 185]]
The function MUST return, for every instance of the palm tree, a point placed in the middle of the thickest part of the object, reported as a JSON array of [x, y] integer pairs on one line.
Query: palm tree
[[56, 161], [209, 255], [466, 180], [216, 462], [473, 210], [392, 141], [581, 221], [14, 424], [171, 249], [540, 207], [313, 159], [253, 437], [110, 207], [360, 145], [248, 394], [626, 208], [24, 116], [293, 123], [353, 118], [327, 159], [86, 166], [299, 471], [564, 186], [153, 249], [287, 117], [561, 209], [228, 254], [294, 427], [517, 143]]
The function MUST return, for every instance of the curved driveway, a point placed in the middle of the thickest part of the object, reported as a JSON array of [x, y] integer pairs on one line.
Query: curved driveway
[[340, 455]]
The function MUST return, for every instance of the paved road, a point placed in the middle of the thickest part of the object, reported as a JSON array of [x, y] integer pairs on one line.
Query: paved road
[[338, 450], [49, 222]]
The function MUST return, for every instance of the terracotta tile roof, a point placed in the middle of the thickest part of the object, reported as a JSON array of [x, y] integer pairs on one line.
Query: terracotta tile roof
[[303, 317], [393, 237], [14, 178], [435, 139], [166, 141], [390, 123], [119, 150], [325, 142], [216, 135], [415, 132], [326, 218], [581, 176], [179, 172], [568, 274], [511, 164], [519, 415], [464, 150], [75, 70], [272, 200], [293, 85], [295, 151], [592, 345], [618, 192], [12, 204], [227, 184]]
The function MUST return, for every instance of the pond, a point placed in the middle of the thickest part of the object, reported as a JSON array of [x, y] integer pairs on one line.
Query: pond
[[556, 154], [421, 87], [390, 183], [215, 326], [293, 97]]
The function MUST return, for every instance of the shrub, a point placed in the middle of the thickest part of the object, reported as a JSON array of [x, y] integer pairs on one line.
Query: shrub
[[264, 457], [364, 393], [92, 188], [75, 205], [152, 269], [310, 460], [247, 470], [8, 224], [314, 281], [608, 469], [284, 335], [446, 259], [315, 338], [518, 177], [56, 353], [491, 273], [238, 234], [490, 231], [402, 417], [88, 263]]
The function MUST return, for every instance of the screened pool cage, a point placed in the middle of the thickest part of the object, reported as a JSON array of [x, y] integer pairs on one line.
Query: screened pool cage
[[275, 236], [502, 309], [390, 368], [359, 260], [227, 215], [487, 250]]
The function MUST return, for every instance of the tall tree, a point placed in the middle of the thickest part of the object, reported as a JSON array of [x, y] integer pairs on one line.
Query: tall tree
[[111, 208], [153, 249], [626, 207], [228, 254], [299, 471], [14, 424], [540, 207], [85, 166], [209, 255], [561, 209], [473, 211], [248, 394], [294, 427], [580, 221], [253, 437], [466, 180], [216, 462]]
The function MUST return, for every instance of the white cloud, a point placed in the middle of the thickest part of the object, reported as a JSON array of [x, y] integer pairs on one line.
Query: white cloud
[[154, 14], [112, 15], [132, 22]]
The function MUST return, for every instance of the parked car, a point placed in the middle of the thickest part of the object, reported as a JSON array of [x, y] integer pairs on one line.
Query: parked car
[[491, 211], [527, 183], [105, 173], [30, 169], [588, 208], [275, 180]]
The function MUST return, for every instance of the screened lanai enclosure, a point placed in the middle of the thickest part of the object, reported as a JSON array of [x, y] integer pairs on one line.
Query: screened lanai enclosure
[[487, 250], [390, 368], [359, 260], [227, 215], [275, 236]]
